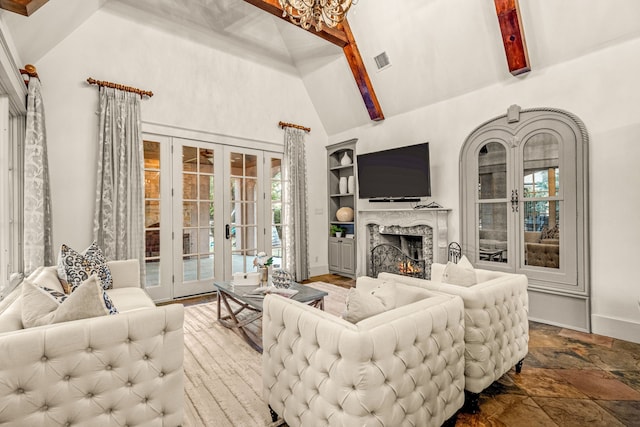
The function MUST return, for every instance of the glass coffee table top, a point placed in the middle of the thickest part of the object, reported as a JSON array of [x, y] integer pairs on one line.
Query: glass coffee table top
[[237, 299], [305, 294]]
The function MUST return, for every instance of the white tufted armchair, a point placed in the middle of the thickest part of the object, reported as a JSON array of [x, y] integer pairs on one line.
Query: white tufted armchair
[[403, 367], [496, 323]]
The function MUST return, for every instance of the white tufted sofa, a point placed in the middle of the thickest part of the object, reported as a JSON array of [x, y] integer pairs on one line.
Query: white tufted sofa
[[124, 369], [403, 367], [496, 321]]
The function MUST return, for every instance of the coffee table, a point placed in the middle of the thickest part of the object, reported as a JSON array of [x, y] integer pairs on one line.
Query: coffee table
[[227, 292]]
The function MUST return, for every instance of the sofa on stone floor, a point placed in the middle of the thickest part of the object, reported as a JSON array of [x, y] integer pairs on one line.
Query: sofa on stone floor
[[398, 362], [121, 369]]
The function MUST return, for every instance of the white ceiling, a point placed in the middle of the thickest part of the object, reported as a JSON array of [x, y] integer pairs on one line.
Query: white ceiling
[[236, 26], [439, 49]]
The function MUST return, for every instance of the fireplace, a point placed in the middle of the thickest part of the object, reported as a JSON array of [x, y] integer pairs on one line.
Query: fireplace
[[400, 249], [401, 241]]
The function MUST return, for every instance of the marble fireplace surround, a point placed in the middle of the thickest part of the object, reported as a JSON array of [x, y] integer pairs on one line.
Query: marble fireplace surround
[[436, 218]]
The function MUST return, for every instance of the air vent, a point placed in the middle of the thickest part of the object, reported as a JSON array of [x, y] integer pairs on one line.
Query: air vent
[[382, 61]]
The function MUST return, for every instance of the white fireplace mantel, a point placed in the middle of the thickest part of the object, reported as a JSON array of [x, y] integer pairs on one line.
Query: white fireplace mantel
[[436, 218]]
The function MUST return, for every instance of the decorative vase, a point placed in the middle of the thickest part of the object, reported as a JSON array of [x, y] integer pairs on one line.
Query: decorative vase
[[346, 160], [264, 275], [344, 214], [338, 234], [343, 185], [351, 184]]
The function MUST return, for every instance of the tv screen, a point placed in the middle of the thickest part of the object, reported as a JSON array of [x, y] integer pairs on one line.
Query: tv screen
[[395, 174]]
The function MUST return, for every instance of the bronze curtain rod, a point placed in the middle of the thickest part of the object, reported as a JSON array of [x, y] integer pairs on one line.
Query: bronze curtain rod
[[291, 125], [29, 70], [140, 92]]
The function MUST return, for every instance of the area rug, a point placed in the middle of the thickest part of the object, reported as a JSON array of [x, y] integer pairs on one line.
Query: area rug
[[223, 383]]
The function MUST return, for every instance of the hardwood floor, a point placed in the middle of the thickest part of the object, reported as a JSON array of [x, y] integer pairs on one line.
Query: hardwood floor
[[568, 379]]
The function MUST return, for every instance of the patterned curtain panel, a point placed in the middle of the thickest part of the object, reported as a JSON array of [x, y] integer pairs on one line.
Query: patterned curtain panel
[[294, 210], [118, 226], [37, 193]]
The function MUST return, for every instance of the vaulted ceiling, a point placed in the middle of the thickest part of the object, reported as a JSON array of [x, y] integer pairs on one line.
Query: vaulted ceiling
[[438, 49]]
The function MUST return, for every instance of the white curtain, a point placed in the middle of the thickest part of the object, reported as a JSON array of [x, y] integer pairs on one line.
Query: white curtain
[[294, 210], [118, 226], [37, 193]]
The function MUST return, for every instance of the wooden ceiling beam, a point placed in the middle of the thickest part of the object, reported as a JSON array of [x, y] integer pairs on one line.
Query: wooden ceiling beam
[[513, 39], [331, 35], [23, 7], [343, 37], [361, 76]]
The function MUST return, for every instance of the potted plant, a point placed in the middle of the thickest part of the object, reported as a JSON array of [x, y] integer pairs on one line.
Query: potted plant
[[337, 230]]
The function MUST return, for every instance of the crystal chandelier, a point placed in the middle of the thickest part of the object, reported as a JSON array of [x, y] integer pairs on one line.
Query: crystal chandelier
[[306, 13]]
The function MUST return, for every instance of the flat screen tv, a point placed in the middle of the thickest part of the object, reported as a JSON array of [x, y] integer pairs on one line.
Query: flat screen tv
[[398, 173]]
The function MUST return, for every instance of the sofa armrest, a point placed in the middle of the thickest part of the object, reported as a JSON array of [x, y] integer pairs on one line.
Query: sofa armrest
[[407, 369], [120, 369], [125, 273]]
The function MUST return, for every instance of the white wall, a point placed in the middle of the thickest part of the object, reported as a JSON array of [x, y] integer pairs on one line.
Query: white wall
[[601, 89], [195, 87]]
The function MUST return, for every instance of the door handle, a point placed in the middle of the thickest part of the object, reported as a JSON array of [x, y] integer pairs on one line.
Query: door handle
[[514, 200], [227, 231]]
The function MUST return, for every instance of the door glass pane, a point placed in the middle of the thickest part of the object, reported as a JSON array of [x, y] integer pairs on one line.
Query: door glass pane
[[206, 161], [206, 267], [492, 171], [189, 159], [151, 184], [251, 164], [236, 189], [243, 215], [542, 234], [541, 181], [198, 209], [250, 189], [190, 214], [541, 166], [492, 232], [206, 187], [152, 212], [189, 186], [276, 212]]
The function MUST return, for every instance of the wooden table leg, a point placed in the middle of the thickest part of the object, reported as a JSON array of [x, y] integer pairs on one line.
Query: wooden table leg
[[231, 321]]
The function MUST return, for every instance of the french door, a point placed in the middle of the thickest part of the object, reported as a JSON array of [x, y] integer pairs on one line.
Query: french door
[[206, 213], [523, 187]]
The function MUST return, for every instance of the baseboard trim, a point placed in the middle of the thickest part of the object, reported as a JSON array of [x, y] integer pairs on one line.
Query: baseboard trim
[[318, 270], [616, 328]]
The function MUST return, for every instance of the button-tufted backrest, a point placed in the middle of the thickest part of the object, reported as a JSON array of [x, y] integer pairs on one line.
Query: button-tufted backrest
[[110, 370], [401, 367], [496, 322]]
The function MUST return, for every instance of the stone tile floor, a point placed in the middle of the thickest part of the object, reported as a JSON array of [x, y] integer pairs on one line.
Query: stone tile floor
[[569, 378]]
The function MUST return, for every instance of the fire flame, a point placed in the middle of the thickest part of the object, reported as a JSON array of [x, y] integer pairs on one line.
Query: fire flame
[[408, 268]]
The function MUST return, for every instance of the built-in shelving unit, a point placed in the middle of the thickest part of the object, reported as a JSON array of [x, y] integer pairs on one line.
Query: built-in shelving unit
[[342, 194]]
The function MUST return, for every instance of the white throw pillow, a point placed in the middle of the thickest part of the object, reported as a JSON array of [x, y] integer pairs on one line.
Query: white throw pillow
[[362, 304], [456, 274], [46, 277], [43, 306], [465, 263]]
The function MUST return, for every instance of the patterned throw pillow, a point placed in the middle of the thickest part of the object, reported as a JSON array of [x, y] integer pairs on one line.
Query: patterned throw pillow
[[74, 267], [550, 233]]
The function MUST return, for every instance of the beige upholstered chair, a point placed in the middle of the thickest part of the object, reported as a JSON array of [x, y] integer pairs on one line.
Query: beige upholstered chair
[[404, 366]]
